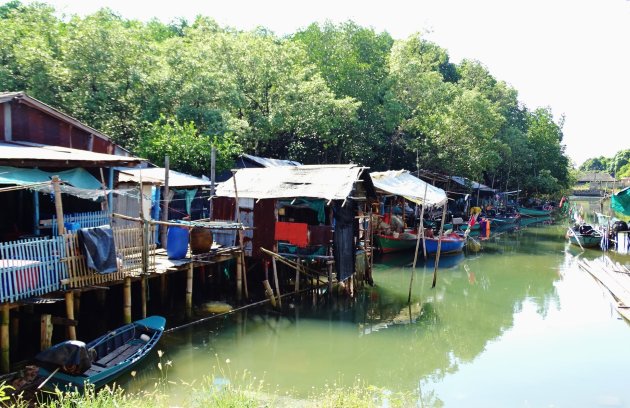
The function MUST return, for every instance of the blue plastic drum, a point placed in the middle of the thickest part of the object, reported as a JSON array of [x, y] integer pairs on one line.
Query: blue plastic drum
[[177, 242]]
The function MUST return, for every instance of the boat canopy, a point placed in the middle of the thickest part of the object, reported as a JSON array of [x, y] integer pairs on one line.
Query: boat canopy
[[620, 201], [403, 183]]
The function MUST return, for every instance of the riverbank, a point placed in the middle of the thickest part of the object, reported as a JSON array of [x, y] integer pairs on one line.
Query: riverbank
[[216, 392]]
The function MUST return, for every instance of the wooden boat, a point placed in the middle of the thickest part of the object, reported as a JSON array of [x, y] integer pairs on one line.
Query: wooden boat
[[74, 363], [451, 243], [533, 212], [394, 243], [585, 236]]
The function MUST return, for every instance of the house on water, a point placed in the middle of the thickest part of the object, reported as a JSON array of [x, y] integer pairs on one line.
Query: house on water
[[315, 215]]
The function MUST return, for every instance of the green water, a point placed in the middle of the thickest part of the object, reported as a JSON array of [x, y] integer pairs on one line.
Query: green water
[[518, 324]]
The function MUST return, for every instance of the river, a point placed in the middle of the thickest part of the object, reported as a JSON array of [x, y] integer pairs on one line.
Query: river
[[517, 324]]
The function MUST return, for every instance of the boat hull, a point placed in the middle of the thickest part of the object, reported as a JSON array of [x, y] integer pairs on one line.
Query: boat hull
[[117, 352], [533, 212], [389, 243], [586, 241], [450, 245]]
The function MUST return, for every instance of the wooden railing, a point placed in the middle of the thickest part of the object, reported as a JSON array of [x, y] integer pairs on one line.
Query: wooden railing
[[30, 267], [37, 266]]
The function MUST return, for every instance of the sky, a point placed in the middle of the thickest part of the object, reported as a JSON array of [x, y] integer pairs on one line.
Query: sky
[[572, 56]]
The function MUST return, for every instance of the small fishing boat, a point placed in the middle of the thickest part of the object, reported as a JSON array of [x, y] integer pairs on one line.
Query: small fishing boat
[[451, 243], [388, 243], [584, 235], [533, 212], [74, 363]]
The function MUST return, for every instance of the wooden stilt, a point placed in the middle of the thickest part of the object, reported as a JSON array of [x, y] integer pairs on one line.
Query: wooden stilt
[[127, 300], [4, 338], [297, 275], [275, 278], [15, 328], [189, 289], [101, 298], [269, 292], [77, 303], [239, 278], [46, 330], [330, 279], [163, 287], [71, 331], [143, 295]]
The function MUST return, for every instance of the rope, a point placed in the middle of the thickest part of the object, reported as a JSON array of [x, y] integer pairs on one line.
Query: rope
[[238, 309]]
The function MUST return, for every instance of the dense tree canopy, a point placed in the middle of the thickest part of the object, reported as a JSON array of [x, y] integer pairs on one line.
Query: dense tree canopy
[[330, 93]]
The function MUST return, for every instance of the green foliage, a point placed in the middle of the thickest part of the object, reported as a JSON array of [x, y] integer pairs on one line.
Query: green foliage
[[330, 93], [188, 151]]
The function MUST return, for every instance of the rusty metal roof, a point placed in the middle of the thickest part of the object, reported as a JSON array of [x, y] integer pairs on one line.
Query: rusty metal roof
[[155, 175], [330, 182], [22, 154]]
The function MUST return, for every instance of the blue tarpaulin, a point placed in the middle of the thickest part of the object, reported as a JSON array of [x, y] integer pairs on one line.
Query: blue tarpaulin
[[78, 177]]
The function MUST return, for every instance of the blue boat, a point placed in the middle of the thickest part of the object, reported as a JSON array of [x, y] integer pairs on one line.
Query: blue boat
[[451, 244], [74, 363]]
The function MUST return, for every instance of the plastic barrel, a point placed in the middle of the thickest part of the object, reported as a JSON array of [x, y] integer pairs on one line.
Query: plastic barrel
[[176, 242]]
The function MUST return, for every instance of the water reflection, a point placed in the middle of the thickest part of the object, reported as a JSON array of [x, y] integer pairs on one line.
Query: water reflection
[[477, 321]]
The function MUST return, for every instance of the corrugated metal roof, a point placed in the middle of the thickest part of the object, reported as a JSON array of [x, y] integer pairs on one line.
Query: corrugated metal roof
[[469, 183], [330, 182], [267, 162], [156, 175], [402, 183], [17, 153]]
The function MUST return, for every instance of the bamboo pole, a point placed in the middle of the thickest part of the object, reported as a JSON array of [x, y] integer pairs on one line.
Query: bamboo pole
[[297, 275], [275, 278], [4, 338], [439, 248], [269, 293], [239, 278], [70, 329], [165, 203], [189, 289], [419, 237], [240, 236], [126, 300], [58, 205]]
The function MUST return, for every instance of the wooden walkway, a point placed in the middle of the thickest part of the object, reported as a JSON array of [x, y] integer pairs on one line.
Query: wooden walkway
[[615, 277]]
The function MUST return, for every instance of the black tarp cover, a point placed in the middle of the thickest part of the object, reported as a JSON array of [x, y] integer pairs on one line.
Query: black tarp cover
[[97, 244], [72, 356]]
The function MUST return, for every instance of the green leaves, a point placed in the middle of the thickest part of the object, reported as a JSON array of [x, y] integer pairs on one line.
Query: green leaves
[[331, 93]]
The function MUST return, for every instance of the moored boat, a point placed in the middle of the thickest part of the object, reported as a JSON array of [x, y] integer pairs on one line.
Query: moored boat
[[451, 243], [533, 212], [395, 242], [74, 363], [585, 236]]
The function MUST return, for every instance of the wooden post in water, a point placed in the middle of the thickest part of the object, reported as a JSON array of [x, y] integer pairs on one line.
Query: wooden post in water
[[77, 302], [163, 287], [46, 331], [127, 300], [240, 237], [239, 278], [275, 278], [4, 338], [143, 295], [439, 248], [189, 289], [58, 205], [297, 274], [71, 331]]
